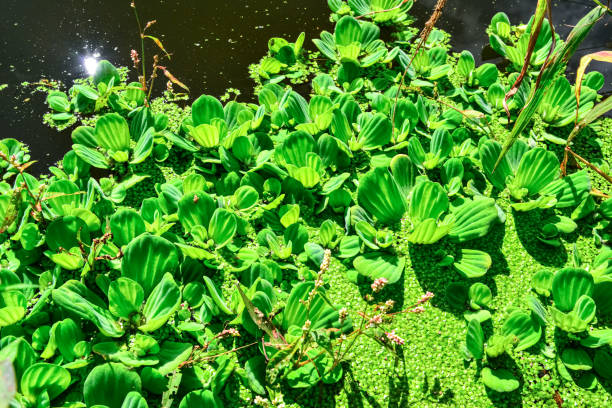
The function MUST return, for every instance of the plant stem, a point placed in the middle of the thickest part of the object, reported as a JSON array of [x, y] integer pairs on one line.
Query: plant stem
[[590, 165], [142, 47], [429, 25]]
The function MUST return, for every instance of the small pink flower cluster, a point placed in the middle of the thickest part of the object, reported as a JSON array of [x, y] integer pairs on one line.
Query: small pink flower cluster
[[385, 307], [229, 332], [418, 309], [375, 321], [379, 284], [135, 58], [326, 260], [425, 298], [394, 338]]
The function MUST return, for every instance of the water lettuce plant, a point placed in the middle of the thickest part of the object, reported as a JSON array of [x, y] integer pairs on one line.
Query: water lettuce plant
[[261, 252]]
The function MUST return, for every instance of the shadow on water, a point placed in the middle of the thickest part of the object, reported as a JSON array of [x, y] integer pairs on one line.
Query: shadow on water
[[212, 44], [546, 255], [438, 279]]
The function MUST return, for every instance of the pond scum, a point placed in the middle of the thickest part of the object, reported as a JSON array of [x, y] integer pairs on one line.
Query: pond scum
[[385, 225]]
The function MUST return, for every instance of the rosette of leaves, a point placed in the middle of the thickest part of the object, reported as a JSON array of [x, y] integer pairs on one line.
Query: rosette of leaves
[[224, 135], [440, 147], [293, 240], [558, 107], [389, 195], [533, 176], [431, 64], [298, 155], [379, 11], [496, 95], [432, 117], [111, 142], [105, 89], [355, 42], [125, 304], [320, 115], [282, 59], [514, 45], [574, 307], [553, 227], [210, 227], [484, 76]]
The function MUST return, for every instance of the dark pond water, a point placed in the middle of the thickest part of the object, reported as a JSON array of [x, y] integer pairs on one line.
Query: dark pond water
[[212, 43]]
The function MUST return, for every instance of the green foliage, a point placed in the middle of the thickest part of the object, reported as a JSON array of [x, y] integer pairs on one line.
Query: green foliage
[[500, 380], [257, 258]]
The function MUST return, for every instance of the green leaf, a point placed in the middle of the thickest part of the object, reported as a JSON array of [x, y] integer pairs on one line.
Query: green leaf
[[576, 359], [348, 31], [308, 176], [67, 335], [222, 227], [474, 340], [199, 399], [84, 135], [77, 298], [597, 338], [522, 329], [125, 297], [537, 169], [465, 63], [429, 232], [375, 133], [603, 364], [58, 101], [105, 72], [542, 282], [91, 156], [255, 368], [569, 191], [473, 219], [66, 232], [113, 133], [480, 295], [349, 246], [429, 200], [295, 148], [206, 135], [146, 260], [206, 108], [62, 196], [216, 296], [196, 208], [108, 384], [472, 263], [376, 265], [126, 224], [499, 380], [44, 377], [568, 285], [171, 355], [404, 173], [144, 147], [163, 301], [321, 314], [134, 400], [489, 151], [379, 194]]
